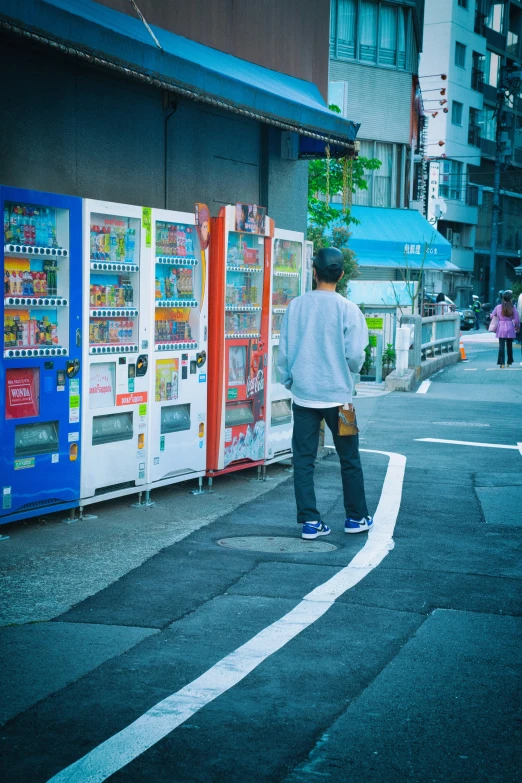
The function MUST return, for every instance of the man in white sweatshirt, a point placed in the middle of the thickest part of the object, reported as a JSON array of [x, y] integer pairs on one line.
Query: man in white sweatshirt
[[322, 341]]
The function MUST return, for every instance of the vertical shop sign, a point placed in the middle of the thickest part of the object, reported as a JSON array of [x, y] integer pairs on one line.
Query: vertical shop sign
[[147, 225]]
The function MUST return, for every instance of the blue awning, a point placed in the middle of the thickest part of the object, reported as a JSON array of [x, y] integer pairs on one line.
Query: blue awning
[[397, 238], [111, 38]]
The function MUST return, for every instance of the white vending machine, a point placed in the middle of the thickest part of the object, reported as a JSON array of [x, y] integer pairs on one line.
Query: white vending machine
[[116, 345], [178, 329], [287, 282]]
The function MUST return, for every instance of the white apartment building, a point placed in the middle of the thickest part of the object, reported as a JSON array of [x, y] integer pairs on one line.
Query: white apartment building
[[452, 47]]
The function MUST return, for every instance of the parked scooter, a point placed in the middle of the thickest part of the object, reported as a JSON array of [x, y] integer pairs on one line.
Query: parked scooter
[[487, 310]]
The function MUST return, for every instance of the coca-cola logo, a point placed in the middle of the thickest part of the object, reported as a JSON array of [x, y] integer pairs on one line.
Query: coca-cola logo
[[256, 384]]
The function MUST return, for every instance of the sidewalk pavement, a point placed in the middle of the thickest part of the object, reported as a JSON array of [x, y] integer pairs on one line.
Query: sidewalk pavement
[[410, 675]]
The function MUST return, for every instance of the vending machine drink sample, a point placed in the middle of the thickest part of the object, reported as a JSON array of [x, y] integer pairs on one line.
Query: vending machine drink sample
[[287, 280], [116, 351], [178, 374], [41, 369], [239, 313]]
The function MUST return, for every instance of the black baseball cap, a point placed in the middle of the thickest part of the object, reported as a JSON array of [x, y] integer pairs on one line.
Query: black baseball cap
[[329, 259]]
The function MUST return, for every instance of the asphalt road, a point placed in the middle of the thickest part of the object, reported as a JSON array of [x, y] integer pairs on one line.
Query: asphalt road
[[410, 675]]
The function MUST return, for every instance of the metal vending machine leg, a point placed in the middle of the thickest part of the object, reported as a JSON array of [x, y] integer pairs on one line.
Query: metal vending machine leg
[[146, 503], [199, 490]]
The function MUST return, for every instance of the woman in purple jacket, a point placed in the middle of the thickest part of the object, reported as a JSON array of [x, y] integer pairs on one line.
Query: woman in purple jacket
[[508, 325]]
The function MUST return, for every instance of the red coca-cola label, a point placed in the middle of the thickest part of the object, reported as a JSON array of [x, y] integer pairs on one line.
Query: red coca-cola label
[[22, 397]]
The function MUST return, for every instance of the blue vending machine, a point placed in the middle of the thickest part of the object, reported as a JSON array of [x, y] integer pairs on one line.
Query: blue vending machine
[[40, 370]]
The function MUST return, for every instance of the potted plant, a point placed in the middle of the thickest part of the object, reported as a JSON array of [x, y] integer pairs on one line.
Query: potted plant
[[389, 358]]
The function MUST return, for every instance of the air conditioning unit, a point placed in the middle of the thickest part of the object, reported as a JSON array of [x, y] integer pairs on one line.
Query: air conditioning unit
[[449, 234], [456, 239]]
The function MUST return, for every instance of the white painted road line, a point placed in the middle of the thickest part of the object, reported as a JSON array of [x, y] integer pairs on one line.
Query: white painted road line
[[122, 748], [503, 369], [467, 443], [470, 369], [423, 388]]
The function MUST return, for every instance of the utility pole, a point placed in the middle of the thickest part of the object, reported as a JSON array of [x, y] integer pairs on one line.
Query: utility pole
[[509, 83]]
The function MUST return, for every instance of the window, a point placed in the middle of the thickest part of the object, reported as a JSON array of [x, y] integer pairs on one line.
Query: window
[[474, 127], [403, 36], [492, 68], [495, 20], [456, 113], [364, 197], [460, 55], [489, 123], [382, 177], [347, 17], [372, 32], [463, 4], [368, 32], [337, 95], [477, 71], [388, 35], [450, 180]]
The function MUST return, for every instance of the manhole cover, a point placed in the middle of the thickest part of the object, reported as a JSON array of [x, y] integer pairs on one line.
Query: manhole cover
[[275, 544]]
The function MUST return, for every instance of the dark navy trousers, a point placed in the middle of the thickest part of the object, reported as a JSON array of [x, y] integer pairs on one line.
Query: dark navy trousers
[[305, 442]]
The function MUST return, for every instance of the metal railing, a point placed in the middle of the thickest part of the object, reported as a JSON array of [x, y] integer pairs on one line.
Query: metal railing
[[440, 334]]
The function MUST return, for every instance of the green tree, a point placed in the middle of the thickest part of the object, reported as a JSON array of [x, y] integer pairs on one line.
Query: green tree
[[328, 226]]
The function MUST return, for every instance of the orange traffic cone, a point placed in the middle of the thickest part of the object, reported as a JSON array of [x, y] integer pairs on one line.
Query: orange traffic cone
[[462, 351]]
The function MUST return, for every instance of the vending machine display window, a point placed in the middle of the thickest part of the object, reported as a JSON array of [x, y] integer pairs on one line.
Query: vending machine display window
[[176, 314], [237, 365], [34, 439], [36, 280], [175, 418], [244, 285], [112, 428], [114, 283], [286, 279], [102, 390]]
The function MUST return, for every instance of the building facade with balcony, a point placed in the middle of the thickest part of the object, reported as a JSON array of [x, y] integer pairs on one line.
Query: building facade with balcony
[[500, 25], [453, 47], [374, 56]]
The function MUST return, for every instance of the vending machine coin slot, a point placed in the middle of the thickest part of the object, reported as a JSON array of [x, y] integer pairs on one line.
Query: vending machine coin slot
[[201, 358], [111, 428], [141, 365], [34, 439], [72, 368], [175, 418]]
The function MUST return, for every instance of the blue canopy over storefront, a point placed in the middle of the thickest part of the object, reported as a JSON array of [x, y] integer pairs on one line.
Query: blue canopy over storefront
[[398, 238], [109, 38]]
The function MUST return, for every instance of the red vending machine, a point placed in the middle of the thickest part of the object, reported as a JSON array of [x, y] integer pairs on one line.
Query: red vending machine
[[239, 288]]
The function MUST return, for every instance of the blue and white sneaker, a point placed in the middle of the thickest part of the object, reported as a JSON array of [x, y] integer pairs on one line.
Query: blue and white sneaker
[[358, 525], [314, 529]]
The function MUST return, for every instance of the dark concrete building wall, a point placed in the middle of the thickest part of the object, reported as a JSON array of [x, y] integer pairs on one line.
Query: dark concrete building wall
[[73, 129], [290, 36]]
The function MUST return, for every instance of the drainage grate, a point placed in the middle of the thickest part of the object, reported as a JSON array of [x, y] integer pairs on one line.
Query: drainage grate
[[275, 544]]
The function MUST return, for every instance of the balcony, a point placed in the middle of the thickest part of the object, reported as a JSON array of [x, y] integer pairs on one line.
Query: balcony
[[460, 212], [474, 135], [477, 80]]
